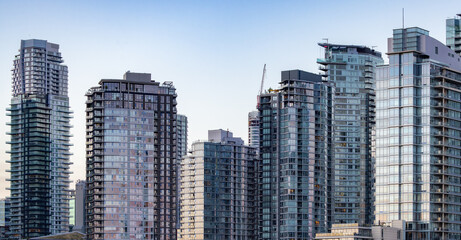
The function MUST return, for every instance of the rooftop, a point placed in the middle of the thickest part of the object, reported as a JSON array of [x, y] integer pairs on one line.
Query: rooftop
[[69, 235], [360, 48]]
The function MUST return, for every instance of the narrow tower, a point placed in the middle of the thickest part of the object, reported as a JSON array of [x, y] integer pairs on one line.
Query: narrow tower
[[39, 162], [351, 68], [295, 172]]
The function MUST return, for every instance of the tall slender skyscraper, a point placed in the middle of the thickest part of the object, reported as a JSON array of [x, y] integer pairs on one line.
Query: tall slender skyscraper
[[295, 148], [418, 136], [453, 29], [218, 189], [39, 163], [351, 69], [131, 159], [181, 147]]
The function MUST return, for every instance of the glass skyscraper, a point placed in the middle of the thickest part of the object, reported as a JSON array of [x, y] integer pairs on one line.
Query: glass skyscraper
[[218, 189], [295, 149], [350, 68], [40, 132], [131, 159], [453, 29], [418, 136]]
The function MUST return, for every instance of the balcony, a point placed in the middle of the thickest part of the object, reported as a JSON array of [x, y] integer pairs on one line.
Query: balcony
[[330, 61], [368, 69]]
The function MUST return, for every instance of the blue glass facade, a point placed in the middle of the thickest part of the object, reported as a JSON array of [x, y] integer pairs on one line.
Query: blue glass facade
[[453, 34], [351, 68], [418, 137]]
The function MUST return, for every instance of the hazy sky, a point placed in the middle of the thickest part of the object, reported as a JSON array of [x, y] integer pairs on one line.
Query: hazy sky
[[213, 51]]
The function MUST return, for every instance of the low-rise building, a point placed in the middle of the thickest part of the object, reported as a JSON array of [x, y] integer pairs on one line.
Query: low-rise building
[[346, 231], [355, 231]]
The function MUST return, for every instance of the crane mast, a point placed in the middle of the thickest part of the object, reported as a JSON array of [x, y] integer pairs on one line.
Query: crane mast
[[262, 80], [262, 85]]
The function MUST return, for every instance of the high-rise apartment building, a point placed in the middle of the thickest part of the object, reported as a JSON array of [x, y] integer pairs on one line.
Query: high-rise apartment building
[[350, 68], [453, 36], [418, 136], [80, 207], [253, 129], [295, 149], [40, 132], [181, 131], [131, 158], [218, 189]]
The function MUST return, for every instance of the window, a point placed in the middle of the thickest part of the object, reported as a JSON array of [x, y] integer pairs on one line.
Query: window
[[436, 50]]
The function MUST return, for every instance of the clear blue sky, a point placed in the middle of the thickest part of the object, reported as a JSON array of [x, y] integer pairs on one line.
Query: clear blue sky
[[213, 51]]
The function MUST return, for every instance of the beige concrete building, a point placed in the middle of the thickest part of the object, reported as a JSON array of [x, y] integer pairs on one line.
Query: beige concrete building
[[218, 189]]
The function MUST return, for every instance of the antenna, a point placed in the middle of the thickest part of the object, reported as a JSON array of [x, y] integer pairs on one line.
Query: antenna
[[326, 39], [403, 18]]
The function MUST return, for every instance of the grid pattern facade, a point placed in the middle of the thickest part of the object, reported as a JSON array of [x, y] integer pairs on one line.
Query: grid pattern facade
[[40, 131], [181, 126], [407, 39], [253, 129], [418, 139], [218, 192], [131, 156], [351, 69], [296, 168]]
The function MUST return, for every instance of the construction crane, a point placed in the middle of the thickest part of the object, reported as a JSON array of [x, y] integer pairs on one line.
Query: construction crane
[[262, 86], [262, 80]]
